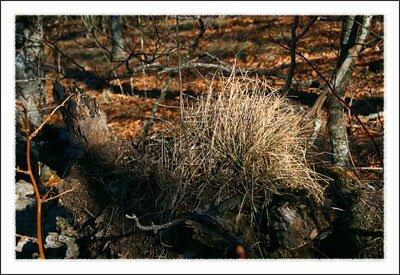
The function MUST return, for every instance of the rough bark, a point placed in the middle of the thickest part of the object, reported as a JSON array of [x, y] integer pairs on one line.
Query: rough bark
[[350, 47], [297, 224], [30, 82], [118, 52], [83, 116]]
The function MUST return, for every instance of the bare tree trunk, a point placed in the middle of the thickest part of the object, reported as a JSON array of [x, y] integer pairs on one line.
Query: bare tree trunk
[[118, 52], [89, 23], [351, 45], [30, 81], [293, 41], [94, 23]]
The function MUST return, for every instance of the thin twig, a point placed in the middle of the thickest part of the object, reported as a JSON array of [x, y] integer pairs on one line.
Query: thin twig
[[54, 47], [367, 168], [34, 79], [213, 58], [22, 171], [33, 239], [48, 118], [168, 106], [380, 37], [143, 70], [306, 28], [59, 195], [153, 227], [203, 28], [106, 57]]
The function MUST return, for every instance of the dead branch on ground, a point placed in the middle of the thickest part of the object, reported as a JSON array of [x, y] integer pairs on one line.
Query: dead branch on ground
[[153, 227]]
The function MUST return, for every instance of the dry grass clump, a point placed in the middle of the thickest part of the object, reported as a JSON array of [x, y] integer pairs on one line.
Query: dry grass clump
[[245, 139]]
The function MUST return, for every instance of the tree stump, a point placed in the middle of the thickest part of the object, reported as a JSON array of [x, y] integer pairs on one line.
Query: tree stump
[[84, 118], [100, 160]]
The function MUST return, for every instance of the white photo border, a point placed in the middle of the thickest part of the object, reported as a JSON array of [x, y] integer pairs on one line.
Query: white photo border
[[390, 264]]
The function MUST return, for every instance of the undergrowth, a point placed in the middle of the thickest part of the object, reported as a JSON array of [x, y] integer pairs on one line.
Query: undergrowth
[[243, 138]]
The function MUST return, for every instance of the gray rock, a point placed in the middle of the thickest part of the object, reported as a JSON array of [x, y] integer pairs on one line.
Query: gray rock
[[21, 243], [23, 195], [68, 236], [52, 240]]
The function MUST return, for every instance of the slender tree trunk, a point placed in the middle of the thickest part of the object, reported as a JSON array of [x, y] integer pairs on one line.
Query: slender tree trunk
[[118, 52], [89, 23], [30, 81], [293, 41], [336, 120], [351, 44]]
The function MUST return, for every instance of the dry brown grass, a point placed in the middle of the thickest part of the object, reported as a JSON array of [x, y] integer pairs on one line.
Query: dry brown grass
[[244, 139]]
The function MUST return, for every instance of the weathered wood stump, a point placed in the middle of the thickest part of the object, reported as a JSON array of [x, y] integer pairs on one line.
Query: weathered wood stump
[[99, 158], [84, 118]]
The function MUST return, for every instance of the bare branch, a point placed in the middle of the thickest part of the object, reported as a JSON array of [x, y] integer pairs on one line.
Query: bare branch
[[203, 29], [35, 186], [22, 171], [59, 195], [33, 239], [306, 28], [293, 41], [48, 118], [54, 47], [153, 227]]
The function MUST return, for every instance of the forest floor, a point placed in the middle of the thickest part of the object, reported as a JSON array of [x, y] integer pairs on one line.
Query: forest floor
[[245, 42]]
